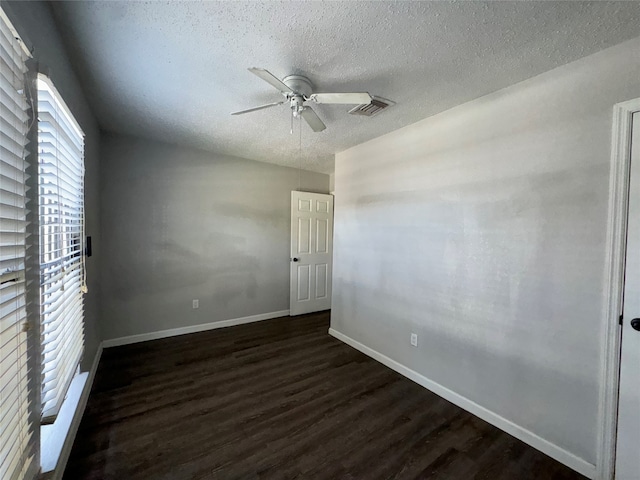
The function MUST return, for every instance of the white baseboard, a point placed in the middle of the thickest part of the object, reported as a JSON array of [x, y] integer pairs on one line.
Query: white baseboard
[[173, 332], [77, 418], [530, 438]]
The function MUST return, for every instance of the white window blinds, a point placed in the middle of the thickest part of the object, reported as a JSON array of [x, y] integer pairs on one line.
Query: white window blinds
[[17, 449], [62, 282]]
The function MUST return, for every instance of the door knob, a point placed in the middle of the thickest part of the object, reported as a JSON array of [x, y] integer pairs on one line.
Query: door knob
[[635, 324], [295, 259]]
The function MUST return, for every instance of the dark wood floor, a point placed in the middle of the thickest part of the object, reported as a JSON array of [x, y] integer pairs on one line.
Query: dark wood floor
[[280, 399]]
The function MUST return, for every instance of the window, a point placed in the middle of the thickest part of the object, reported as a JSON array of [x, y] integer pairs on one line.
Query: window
[[62, 273], [17, 449]]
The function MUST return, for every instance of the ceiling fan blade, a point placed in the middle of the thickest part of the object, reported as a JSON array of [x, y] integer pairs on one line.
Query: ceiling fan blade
[[312, 119], [342, 98], [268, 77], [268, 105]]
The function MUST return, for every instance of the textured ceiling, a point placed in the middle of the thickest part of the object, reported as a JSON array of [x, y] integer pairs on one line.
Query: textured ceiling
[[173, 71]]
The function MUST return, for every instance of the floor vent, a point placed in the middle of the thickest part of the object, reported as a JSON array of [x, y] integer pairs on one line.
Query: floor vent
[[370, 109]]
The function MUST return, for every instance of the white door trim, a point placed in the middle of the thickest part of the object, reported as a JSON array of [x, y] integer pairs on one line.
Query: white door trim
[[614, 284]]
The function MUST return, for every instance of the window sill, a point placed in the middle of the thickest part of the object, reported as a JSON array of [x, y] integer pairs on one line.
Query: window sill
[[52, 437]]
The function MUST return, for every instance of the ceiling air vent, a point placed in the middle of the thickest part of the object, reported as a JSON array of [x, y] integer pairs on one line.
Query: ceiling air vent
[[370, 109]]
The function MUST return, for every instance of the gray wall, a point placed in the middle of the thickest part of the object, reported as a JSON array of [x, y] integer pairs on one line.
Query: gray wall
[[183, 224], [34, 22], [483, 229]]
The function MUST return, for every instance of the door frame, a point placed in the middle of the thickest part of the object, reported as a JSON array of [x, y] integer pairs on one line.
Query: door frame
[[616, 244]]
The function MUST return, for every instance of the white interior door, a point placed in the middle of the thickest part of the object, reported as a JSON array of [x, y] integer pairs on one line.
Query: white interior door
[[311, 252], [628, 444]]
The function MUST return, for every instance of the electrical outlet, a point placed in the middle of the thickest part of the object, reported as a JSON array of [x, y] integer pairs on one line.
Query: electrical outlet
[[414, 339], [196, 303]]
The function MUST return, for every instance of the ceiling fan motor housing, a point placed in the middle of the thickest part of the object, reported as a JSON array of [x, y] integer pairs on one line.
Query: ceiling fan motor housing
[[299, 84]]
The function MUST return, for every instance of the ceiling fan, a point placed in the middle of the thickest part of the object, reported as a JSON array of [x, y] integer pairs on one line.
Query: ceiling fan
[[297, 90]]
